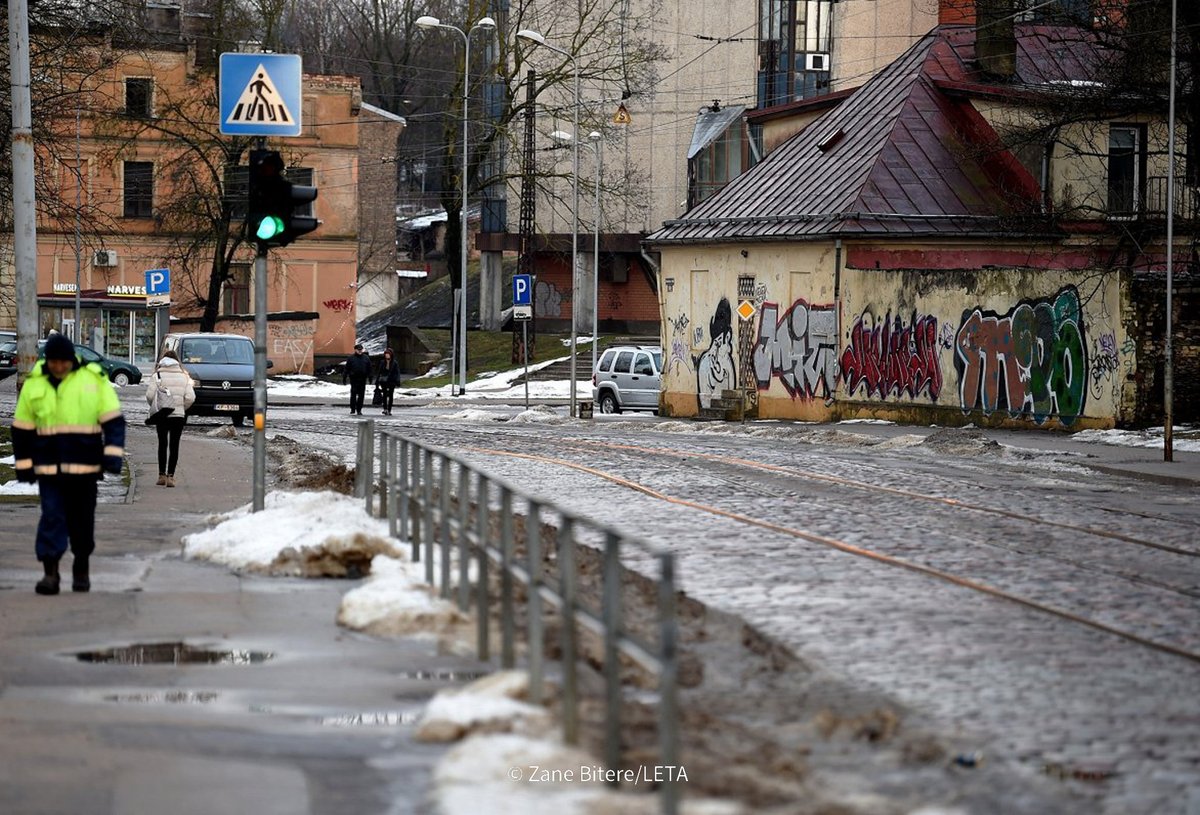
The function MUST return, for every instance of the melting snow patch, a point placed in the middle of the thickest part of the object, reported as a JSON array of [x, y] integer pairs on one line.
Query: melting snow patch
[[293, 536], [396, 601], [539, 414], [8, 460], [17, 488], [488, 705], [475, 415]]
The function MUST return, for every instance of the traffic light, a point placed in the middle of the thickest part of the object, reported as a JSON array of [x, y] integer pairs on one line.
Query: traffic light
[[271, 218]]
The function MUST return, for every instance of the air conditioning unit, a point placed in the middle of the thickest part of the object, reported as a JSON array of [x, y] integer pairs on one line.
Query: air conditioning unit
[[105, 257], [816, 62]]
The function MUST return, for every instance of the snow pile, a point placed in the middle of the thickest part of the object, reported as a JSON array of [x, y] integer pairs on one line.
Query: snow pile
[[1185, 439], [9, 460], [293, 537], [396, 601], [488, 705], [303, 385], [17, 488], [474, 415], [539, 414]]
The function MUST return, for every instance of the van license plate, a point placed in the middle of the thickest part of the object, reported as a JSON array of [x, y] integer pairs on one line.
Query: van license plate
[[227, 407]]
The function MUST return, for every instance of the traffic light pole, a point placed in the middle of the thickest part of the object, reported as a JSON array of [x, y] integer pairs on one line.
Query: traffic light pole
[[260, 378]]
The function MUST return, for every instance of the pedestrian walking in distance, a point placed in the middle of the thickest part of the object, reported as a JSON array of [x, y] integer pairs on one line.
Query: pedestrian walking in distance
[[67, 431], [357, 372], [170, 393], [388, 377]]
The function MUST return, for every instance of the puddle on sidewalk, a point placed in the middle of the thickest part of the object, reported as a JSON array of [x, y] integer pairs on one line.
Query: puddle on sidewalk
[[174, 697], [444, 676], [172, 653]]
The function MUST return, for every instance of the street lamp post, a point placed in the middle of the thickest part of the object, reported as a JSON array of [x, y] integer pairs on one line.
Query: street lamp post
[[537, 39], [597, 146], [488, 23]]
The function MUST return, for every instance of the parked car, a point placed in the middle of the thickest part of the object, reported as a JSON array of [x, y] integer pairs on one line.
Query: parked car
[[8, 357], [222, 371], [628, 377]]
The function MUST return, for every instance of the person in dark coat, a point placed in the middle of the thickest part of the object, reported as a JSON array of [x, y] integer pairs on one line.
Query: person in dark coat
[[357, 372], [387, 378]]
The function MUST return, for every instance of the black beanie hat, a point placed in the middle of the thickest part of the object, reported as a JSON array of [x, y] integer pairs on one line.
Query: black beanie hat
[[59, 347]]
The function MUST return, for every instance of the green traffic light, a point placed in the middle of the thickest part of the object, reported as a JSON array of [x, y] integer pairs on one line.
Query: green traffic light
[[269, 227]]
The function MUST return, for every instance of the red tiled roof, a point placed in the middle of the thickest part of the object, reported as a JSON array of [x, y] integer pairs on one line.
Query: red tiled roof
[[900, 156]]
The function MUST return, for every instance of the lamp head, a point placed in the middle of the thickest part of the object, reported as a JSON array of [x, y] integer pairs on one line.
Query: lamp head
[[594, 136], [562, 136], [428, 22], [485, 22], [532, 36]]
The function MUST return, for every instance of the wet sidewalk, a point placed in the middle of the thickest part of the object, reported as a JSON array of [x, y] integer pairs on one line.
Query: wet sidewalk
[[282, 711]]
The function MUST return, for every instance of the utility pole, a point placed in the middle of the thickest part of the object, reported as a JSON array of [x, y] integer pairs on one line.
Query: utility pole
[[24, 202]]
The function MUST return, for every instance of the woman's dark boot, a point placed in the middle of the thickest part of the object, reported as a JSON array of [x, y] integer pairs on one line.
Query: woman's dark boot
[[49, 583], [79, 574]]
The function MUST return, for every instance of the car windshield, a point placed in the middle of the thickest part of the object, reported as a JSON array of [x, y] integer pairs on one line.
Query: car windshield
[[217, 350]]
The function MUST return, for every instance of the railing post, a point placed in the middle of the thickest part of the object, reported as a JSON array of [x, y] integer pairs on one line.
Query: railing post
[[566, 580], [415, 491], [385, 476], [360, 465], [428, 524], [398, 505], [668, 719], [391, 493], [482, 600], [464, 518], [533, 551], [369, 457], [507, 634], [611, 611], [444, 536]]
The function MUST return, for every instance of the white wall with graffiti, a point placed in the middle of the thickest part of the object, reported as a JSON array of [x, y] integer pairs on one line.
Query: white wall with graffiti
[[1019, 347]]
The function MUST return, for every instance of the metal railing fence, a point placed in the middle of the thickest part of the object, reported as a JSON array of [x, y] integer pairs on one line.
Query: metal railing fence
[[429, 508]]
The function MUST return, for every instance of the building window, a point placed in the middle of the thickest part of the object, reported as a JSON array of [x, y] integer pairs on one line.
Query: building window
[[139, 189], [794, 39], [302, 176], [1126, 170], [237, 188], [236, 296], [138, 97], [717, 164]]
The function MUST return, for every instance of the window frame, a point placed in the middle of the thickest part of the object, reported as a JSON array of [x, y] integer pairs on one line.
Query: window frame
[[1133, 192], [137, 194], [147, 111]]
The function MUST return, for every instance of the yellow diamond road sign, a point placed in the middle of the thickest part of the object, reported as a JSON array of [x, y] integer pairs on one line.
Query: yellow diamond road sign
[[745, 310]]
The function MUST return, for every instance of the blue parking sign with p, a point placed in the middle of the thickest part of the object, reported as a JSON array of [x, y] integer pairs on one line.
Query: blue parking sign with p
[[522, 290], [158, 281]]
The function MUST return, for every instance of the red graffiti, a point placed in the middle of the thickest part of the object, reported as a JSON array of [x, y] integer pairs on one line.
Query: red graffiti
[[891, 358], [339, 305]]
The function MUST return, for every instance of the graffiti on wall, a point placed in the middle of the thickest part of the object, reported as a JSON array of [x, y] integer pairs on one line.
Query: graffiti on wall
[[714, 368], [343, 306], [1105, 363], [800, 348], [548, 299], [889, 357], [1031, 361], [679, 357]]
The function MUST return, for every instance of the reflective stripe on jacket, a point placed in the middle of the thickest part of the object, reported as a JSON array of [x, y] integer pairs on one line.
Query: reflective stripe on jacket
[[69, 429]]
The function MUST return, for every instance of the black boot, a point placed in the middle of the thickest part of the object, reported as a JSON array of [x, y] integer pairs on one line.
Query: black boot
[[79, 574], [49, 583]]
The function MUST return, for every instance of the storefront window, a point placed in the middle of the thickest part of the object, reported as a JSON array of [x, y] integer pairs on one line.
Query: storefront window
[[143, 338], [116, 328]]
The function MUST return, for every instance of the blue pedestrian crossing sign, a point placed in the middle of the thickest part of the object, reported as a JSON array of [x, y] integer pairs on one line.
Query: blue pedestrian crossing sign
[[260, 94]]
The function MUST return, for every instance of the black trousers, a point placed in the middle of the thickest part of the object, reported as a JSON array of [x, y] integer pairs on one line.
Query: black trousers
[[169, 431], [68, 515], [358, 389], [389, 391]]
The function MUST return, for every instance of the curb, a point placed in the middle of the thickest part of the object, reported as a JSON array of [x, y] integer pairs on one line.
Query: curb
[[1155, 478]]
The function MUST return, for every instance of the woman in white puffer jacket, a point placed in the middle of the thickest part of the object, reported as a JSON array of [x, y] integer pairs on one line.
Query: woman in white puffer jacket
[[170, 387]]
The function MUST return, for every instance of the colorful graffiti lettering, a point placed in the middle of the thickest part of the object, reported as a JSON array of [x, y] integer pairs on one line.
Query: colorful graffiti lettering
[[714, 368], [342, 306], [800, 349], [893, 358], [1031, 362]]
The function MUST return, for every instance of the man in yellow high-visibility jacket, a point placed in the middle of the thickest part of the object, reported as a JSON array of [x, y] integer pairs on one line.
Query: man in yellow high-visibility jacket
[[67, 428]]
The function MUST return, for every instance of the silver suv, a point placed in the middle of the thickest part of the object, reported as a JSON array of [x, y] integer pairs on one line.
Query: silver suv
[[628, 377]]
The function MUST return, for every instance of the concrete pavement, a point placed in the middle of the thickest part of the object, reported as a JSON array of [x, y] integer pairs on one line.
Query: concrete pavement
[[322, 725]]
